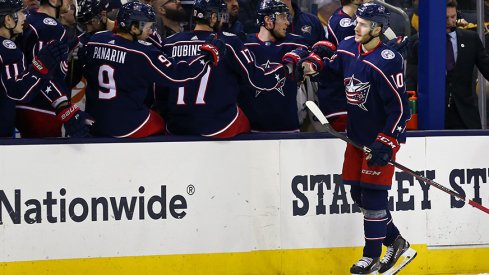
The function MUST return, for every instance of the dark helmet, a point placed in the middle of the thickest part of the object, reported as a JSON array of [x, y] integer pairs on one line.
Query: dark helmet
[[9, 7], [134, 12], [375, 13], [204, 8], [88, 9], [270, 8]]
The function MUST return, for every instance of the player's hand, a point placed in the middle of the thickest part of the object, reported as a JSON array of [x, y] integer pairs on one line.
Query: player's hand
[[311, 65], [213, 48], [324, 49], [291, 60], [48, 59], [77, 123], [381, 150]]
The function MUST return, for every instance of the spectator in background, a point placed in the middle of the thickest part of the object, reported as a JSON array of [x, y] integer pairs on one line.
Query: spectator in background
[[464, 52], [325, 10], [233, 25], [171, 15], [275, 111], [304, 24]]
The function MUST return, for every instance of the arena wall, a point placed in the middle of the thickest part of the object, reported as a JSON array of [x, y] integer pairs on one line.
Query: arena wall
[[268, 206]]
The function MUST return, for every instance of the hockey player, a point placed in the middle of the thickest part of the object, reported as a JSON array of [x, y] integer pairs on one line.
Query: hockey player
[[332, 101], [20, 82], [208, 107], [43, 117], [276, 111], [378, 111], [121, 66]]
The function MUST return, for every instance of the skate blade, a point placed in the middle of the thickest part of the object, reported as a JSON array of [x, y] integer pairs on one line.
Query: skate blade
[[373, 273], [405, 259]]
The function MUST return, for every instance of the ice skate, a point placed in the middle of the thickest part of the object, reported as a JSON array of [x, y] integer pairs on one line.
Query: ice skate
[[398, 255], [366, 265]]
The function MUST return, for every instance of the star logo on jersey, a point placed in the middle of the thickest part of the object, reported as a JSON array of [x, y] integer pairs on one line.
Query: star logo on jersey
[[356, 92], [202, 62], [48, 89], [280, 82], [399, 128]]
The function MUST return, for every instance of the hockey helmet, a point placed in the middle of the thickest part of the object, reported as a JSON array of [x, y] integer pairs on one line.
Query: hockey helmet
[[134, 12], [375, 13], [203, 9], [10, 7], [88, 9], [270, 8]]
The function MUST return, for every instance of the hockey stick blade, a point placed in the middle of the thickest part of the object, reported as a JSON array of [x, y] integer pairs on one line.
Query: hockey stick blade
[[322, 119]]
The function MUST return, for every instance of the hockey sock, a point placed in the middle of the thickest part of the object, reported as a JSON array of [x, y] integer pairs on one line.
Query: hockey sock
[[375, 227], [392, 231]]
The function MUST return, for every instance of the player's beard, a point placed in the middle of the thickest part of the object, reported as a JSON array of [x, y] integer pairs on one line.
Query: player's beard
[[178, 15]]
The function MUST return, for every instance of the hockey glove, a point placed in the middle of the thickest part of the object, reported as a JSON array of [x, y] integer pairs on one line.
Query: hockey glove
[[315, 61], [381, 150], [324, 49], [291, 60], [48, 60], [76, 121], [213, 48]]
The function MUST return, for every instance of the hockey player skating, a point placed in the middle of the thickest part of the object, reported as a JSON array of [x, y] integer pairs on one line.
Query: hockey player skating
[[378, 111]]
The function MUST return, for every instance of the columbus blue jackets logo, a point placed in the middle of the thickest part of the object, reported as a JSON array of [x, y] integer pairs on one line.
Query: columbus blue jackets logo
[[356, 92], [306, 29], [9, 44], [345, 22], [50, 21], [280, 82], [388, 54]]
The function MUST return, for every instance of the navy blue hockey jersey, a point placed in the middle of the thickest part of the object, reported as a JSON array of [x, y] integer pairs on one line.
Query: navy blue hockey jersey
[[209, 105], [375, 90], [119, 73], [276, 110], [340, 26], [306, 25], [330, 89], [43, 29], [18, 84]]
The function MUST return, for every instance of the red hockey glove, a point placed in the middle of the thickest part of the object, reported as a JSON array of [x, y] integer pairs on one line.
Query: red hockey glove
[[315, 60], [213, 48], [291, 60], [76, 121], [48, 59], [324, 49], [381, 150]]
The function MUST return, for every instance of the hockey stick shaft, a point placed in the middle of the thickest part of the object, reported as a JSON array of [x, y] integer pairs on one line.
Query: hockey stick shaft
[[322, 119]]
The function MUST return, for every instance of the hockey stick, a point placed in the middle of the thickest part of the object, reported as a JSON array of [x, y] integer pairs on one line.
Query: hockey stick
[[319, 115]]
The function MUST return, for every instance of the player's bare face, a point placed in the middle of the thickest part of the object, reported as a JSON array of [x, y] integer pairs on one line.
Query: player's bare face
[[147, 30], [451, 18], [362, 30], [281, 25]]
